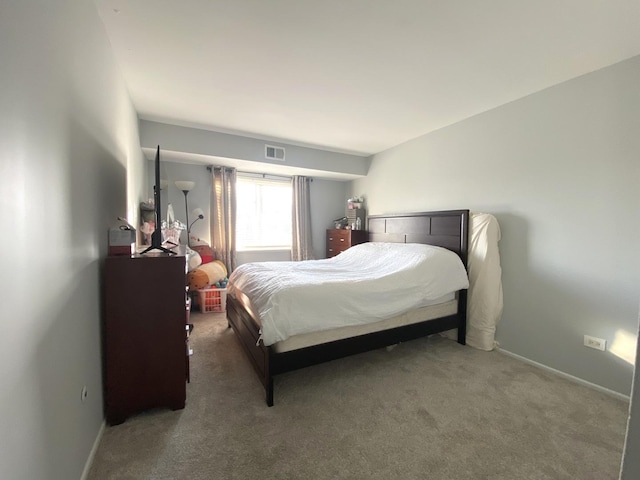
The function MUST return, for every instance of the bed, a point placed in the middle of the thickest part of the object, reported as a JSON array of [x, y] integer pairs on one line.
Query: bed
[[447, 229]]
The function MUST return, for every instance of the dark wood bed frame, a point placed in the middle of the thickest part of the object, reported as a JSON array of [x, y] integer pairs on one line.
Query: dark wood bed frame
[[448, 229]]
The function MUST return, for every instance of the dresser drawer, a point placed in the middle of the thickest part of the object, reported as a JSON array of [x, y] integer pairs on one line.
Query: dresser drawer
[[338, 236], [340, 240], [334, 249]]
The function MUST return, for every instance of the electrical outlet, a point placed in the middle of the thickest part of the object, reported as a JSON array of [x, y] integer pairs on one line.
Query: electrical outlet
[[593, 342], [83, 394]]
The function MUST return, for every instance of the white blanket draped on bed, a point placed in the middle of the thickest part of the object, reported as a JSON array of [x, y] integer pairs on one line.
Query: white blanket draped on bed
[[366, 283]]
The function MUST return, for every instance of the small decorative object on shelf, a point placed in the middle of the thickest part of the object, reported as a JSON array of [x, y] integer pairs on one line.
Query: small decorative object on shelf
[[355, 213], [355, 202]]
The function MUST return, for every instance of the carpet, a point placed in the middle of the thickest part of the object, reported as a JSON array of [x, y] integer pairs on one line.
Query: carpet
[[425, 409]]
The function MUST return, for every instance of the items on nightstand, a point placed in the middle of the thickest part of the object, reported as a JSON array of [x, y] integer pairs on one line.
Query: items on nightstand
[[355, 218], [349, 230], [356, 213], [341, 223]]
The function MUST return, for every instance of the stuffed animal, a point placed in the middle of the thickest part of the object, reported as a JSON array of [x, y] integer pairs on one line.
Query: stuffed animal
[[206, 274], [205, 251]]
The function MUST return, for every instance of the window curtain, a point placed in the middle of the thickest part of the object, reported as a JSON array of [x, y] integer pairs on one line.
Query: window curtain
[[223, 215], [301, 244]]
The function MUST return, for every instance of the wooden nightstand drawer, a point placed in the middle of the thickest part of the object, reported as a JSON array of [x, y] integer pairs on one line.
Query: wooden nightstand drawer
[[340, 240]]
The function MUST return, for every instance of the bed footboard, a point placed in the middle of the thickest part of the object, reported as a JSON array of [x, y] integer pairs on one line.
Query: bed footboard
[[248, 334]]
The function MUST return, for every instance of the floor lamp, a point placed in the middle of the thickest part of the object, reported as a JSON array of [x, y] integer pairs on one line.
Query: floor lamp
[[199, 214], [186, 186]]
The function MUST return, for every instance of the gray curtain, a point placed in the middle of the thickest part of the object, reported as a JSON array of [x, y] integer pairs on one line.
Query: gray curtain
[[223, 216], [301, 245]]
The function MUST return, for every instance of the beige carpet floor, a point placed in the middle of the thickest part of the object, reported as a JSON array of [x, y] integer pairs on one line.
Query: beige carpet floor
[[427, 409]]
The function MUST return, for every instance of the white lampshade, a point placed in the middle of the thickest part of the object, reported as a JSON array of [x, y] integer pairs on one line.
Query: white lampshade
[[185, 185]]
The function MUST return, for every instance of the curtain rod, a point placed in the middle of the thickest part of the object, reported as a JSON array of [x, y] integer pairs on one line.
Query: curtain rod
[[259, 175]]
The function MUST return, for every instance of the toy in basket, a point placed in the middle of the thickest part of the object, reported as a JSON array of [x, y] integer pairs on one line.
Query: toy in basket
[[214, 297]]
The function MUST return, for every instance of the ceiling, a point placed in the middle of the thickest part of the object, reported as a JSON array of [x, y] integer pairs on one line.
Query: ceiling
[[354, 76]]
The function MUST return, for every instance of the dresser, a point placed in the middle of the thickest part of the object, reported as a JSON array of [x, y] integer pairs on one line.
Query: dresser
[[338, 240], [145, 317]]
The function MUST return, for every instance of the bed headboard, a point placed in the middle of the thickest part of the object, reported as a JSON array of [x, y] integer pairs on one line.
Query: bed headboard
[[447, 228]]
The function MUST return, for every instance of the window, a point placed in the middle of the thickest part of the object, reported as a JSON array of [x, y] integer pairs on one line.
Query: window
[[263, 213]]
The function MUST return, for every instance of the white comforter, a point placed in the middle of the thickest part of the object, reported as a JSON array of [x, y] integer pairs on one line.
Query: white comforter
[[366, 283]]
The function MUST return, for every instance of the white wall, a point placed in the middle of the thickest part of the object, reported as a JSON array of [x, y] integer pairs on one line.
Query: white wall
[[560, 171], [328, 202], [68, 135]]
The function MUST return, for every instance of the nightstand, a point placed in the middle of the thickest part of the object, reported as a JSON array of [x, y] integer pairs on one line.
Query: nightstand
[[339, 240]]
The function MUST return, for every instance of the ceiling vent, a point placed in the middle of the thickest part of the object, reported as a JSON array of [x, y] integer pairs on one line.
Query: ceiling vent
[[274, 153]]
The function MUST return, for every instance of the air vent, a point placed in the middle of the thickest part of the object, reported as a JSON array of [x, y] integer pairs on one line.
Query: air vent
[[274, 153]]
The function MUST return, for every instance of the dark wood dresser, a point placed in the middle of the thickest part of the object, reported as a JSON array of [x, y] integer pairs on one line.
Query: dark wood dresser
[[145, 316], [339, 240]]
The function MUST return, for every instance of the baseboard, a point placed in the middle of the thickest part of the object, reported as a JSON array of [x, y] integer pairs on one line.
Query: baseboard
[[565, 375], [92, 453]]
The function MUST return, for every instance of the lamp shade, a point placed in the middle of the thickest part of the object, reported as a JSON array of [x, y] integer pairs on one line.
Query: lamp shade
[[185, 185]]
